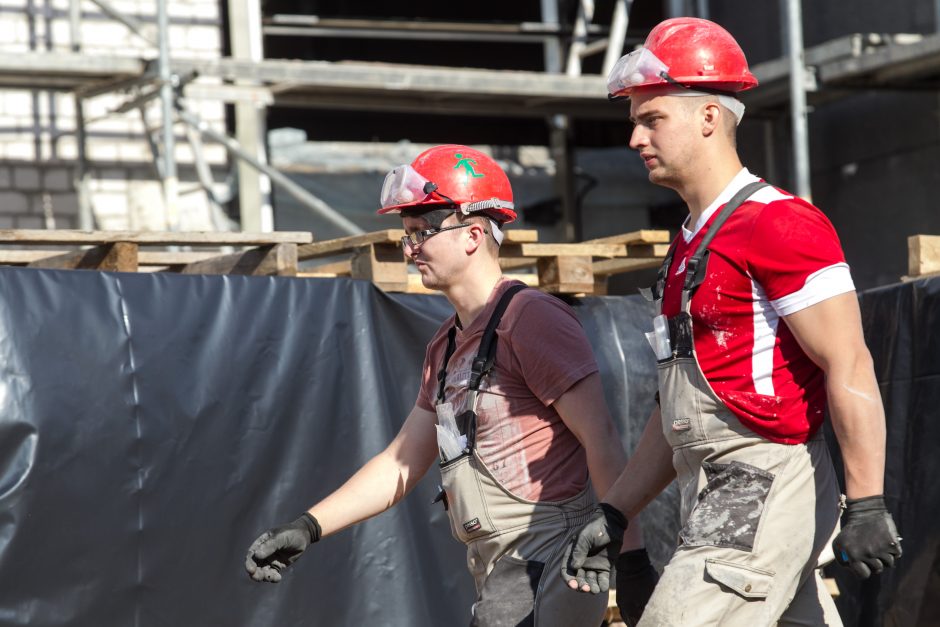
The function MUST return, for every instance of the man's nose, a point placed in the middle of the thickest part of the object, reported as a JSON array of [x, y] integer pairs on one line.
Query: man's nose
[[638, 138]]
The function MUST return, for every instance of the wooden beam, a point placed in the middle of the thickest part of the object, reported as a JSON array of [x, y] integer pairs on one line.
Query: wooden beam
[[339, 268], [608, 267], [644, 236], [566, 274], [347, 244], [923, 255], [153, 238], [113, 257], [383, 264], [278, 259], [556, 250]]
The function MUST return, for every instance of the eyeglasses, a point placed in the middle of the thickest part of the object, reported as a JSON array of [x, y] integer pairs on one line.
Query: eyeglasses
[[413, 240]]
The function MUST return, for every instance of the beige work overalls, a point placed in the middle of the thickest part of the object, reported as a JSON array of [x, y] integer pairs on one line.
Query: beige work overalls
[[755, 514], [514, 546]]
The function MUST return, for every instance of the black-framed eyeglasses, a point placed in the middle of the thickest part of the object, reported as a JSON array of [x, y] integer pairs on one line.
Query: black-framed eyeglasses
[[413, 240]]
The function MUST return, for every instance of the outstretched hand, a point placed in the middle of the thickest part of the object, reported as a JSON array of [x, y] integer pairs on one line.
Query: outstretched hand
[[277, 548], [593, 550]]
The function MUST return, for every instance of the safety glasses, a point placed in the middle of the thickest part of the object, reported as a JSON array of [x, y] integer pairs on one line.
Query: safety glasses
[[413, 240], [640, 67], [404, 185]]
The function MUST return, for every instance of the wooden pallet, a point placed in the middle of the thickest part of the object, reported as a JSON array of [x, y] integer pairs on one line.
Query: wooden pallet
[[120, 251], [580, 268], [923, 257]]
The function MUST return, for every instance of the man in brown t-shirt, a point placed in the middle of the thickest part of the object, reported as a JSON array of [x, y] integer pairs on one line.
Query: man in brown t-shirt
[[523, 447]]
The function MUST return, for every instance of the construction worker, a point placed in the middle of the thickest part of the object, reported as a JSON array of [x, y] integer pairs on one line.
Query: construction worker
[[757, 325], [510, 404]]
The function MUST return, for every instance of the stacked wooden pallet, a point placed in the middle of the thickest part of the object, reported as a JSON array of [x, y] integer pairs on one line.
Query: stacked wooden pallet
[[923, 256], [378, 257], [558, 268]]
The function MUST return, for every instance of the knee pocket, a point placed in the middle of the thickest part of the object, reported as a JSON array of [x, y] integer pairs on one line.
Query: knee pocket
[[729, 507], [746, 581], [508, 594]]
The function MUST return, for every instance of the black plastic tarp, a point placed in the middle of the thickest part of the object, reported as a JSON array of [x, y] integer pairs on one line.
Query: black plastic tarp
[[152, 425]]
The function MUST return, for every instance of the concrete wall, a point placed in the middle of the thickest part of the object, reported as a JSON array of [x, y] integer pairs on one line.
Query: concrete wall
[[38, 148]]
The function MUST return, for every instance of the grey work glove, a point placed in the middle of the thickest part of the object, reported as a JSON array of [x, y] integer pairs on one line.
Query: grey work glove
[[636, 579], [594, 549], [278, 548], [869, 541]]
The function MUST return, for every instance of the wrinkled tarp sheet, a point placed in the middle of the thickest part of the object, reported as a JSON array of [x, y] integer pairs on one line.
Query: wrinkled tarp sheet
[[152, 425]]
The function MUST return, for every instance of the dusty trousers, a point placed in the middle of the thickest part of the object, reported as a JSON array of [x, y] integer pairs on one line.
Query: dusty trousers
[[755, 516], [515, 549]]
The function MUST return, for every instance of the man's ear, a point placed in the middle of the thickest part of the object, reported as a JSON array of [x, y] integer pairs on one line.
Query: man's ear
[[711, 118], [476, 236]]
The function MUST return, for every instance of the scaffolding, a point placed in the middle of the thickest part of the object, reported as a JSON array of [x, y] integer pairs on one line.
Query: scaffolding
[[802, 79]]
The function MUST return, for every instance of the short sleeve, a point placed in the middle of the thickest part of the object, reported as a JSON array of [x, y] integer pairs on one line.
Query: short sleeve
[[550, 347], [795, 256]]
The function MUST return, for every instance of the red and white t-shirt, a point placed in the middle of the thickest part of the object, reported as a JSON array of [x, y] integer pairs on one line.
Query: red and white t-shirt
[[541, 352], [774, 256]]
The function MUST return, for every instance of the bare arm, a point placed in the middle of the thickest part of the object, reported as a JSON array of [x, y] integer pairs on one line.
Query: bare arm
[[585, 413], [648, 472], [385, 479], [830, 333]]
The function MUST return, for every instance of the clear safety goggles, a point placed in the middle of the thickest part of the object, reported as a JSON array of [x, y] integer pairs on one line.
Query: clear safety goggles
[[405, 185], [640, 67]]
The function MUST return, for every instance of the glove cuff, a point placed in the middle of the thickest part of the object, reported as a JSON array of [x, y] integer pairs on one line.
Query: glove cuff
[[865, 506], [311, 525], [633, 562], [614, 516]]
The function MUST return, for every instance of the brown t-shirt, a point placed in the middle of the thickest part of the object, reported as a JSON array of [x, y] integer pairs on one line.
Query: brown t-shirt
[[541, 352]]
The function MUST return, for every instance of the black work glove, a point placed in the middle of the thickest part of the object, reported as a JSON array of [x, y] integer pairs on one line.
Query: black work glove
[[636, 579], [869, 541], [594, 549], [278, 548]]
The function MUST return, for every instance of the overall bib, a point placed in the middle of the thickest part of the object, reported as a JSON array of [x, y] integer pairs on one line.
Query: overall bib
[[755, 514], [514, 546]]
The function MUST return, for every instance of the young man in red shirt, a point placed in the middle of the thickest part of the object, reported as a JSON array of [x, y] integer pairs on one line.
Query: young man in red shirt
[[757, 326]]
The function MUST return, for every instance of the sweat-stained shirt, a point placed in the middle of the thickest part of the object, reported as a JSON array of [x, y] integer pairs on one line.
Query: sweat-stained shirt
[[775, 255], [541, 352]]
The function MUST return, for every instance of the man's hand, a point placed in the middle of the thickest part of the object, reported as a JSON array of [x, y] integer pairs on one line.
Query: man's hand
[[636, 579], [593, 550], [278, 548], [869, 541]]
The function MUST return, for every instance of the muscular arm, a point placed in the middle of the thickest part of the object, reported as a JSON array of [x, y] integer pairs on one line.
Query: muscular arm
[[385, 479], [585, 413], [648, 472], [830, 332]]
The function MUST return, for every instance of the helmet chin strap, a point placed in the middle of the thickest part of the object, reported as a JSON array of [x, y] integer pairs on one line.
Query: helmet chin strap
[[498, 234]]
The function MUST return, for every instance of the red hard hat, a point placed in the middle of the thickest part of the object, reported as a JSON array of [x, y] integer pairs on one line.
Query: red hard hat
[[450, 175], [692, 52]]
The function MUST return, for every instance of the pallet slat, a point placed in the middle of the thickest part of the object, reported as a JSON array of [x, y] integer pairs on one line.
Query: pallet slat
[[153, 238]]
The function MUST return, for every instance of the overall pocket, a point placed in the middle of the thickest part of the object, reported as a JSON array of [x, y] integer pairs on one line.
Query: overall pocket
[[679, 403], [729, 507], [469, 516]]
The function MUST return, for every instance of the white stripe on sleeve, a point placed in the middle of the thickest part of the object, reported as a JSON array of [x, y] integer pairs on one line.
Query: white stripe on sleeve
[[819, 286]]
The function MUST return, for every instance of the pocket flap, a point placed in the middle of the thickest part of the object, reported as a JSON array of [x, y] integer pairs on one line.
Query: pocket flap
[[749, 582]]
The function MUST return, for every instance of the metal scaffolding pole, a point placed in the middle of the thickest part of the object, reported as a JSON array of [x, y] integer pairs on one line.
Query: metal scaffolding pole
[[306, 198], [254, 188], [170, 180], [798, 109], [618, 34]]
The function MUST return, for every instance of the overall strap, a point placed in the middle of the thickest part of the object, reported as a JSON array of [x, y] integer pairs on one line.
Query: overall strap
[[486, 354], [696, 265], [442, 373]]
